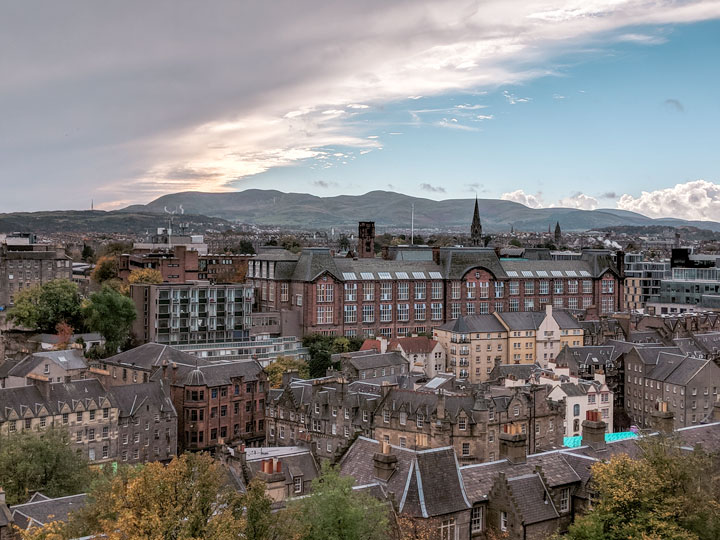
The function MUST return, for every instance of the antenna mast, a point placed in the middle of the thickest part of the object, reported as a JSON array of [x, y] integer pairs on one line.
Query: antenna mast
[[412, 225]]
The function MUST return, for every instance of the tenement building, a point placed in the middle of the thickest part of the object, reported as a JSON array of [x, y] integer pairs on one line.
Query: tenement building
[[316, 292], [24, 263]]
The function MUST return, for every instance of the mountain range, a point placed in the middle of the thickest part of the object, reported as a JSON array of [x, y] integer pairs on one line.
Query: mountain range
[[390, 209]]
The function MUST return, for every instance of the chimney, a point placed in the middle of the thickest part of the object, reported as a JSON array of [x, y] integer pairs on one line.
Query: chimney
[[2, 496], [513, 444], [385, 250], [174, 372], [384, 462], [386, 386], [164, 369], [288, 376], [383, 344], [716, 411], [366, 239], [440, 411], [42, 383], [436, 255], [662, 419], [548, 310], [242, 455], [593, 431]]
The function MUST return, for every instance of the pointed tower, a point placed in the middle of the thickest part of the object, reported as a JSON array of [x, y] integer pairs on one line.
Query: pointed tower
[[558, 233], [476, 227]]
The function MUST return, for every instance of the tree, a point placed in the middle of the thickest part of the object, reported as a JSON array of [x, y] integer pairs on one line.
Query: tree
[[516, 243], [187, 499], [258, 511], [145, 275], [64, 332], [43, 307], [667, 493], [31, 461], [286, 363], [335, 511], [106, 268], [111, 314], [245, 247], [87, 253]]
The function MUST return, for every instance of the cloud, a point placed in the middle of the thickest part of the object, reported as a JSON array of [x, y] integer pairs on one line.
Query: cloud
[[142, 97], [431, 188], [608, 195], [475, 186], [643, 39], [519, 196], [698, 199], [674, 105], [484, 117], [579, 201], [325, 184]]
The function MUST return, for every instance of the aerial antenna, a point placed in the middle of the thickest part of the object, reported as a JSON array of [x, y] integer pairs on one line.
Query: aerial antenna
[[412, 224], [170, 222]]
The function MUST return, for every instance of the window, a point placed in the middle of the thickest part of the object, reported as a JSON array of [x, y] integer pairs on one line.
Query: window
[[386, 291], [576, 410], [385, 312], [324, 292], [565, 499], [350, 292], [476, 519], [503, 521], [368, 313], [516, 410], [462, 424], [447, 529], [420, 312], [368, 292], [297, 484], [470, 290], [284, 292], [544, 287], [419, 422], [436, 291], [465, 449], [403, 290], [350, 314], [558, 289], [436, 312], [586, 286], [324, 314], [455, 291]]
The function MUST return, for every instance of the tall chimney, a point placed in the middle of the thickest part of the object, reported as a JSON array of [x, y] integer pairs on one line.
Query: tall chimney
[[662, 419], [436, 254], [366, 239], [42, 383], [440, 410], [593, 431], [384, 463], [513, 444]]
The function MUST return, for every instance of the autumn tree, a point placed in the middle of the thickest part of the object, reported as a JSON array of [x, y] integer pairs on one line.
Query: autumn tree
[[32, 461], [187, 499], [105, 269], [64, 333], [258, 511], [43, 307], [111, 314], [334, 510], [286, 363], [667, 493], [145, 275]]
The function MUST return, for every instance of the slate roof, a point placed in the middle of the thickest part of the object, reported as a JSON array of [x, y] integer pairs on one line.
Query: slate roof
[[71, 359], [150, 356], [215, 374], [53, 339], [42, 510], [132, 398], [77, 395], [372, 361], [532, 498], [597, 356], [676, 369], [523, 320], [473, 323], [565, 320], [296, 461], [425, 483]]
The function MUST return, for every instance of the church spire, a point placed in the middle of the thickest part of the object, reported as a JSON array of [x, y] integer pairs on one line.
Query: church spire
[[476, 227]]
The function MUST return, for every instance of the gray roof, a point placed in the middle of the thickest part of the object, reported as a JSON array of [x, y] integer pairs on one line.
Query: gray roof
[[42, 510], [133, 397], [71, 359], [676, 369], [532, 498], [371, 360], [215, 374], [565, 320], [425, 483], [54, 339], [473, 323], [150, 356], [523, 320]]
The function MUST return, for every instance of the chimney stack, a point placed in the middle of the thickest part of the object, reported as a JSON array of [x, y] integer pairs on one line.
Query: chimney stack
[[662, 419], [288, 376], [386, 386], [384, 462], [366, 239], [593, 431], [385, 250], [436, 254], [513, 444], [42, 383], [440, 410]]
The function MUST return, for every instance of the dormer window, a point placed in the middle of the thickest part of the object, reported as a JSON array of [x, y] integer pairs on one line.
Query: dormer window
[[297, 485]]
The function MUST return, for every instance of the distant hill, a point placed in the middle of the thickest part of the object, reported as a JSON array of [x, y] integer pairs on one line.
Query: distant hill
[[99, 221], [390, 209]]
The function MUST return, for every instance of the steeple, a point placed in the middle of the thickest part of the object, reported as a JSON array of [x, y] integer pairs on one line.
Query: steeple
[[558, 233], [476, 227]]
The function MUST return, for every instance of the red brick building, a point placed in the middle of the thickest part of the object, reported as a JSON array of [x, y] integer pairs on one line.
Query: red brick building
[[421, 289], [218, 403]]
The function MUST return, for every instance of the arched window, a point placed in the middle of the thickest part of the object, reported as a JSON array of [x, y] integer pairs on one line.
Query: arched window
[[576, 425], [576, 410]]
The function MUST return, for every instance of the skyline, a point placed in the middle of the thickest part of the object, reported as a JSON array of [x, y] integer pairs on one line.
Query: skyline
[[596, 104]]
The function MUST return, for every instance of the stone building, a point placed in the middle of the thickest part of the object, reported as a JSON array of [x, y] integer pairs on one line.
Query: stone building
[[325, 414], [23, 263], [470, 423], [56, 366], [147, 423], [425, 355], [84, 408], [361, 365]]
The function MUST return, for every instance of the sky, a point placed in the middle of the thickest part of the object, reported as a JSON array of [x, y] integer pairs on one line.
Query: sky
[[577, 103]]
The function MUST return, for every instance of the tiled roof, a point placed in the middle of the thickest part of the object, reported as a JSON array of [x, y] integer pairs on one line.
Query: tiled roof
[[413, 345]]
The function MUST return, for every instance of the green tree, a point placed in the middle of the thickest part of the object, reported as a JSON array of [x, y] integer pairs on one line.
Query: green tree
[[245, 247], [286, 363], [87, 253], [111, 314], [43, 307], [667, 493], [335, 511], [258, 512], [32, 461], [320, 361]]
